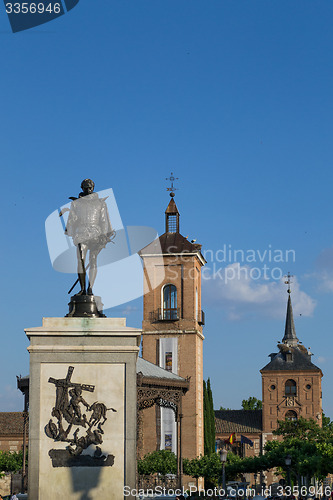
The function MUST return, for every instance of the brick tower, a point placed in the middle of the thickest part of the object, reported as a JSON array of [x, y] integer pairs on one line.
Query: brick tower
[[172, 333], [291, 383]]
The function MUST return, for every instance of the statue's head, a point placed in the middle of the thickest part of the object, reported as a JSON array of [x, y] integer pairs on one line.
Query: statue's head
[[87, 185]]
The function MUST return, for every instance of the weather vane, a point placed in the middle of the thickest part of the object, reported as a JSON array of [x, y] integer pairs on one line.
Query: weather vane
[[288, 281], [172, 188]]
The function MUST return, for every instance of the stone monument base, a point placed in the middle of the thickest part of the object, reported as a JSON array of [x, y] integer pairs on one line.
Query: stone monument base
[[82, 423]]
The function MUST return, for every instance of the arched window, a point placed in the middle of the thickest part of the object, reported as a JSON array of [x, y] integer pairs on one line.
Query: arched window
[[291, 416], [170, 302], [290, 388]]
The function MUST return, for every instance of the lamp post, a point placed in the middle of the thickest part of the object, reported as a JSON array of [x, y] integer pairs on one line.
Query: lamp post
[[223, 458], [287, 461], [255, 482]]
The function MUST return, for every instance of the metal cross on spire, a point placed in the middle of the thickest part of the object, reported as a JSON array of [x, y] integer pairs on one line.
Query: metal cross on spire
[[172, 188], [288, 281]]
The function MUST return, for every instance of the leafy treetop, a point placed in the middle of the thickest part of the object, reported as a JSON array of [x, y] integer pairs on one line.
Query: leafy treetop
[[252, 403]]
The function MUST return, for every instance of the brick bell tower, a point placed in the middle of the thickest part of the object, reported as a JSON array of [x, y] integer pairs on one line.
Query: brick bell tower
[[172, 335], [291, 383]]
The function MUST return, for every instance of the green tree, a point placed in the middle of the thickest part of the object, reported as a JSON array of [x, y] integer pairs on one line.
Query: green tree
[[160, 462], [209, 467], [327, 422], [209, 419], [252, 403], [205, 417], [11, 461], [306, 429], [309, 446], [246, 465]]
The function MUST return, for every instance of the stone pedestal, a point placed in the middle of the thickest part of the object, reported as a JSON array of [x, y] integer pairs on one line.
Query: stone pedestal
[[82, 434]]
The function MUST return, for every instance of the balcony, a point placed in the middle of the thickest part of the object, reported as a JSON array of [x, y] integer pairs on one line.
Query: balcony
[[172, 314], [165, 314]]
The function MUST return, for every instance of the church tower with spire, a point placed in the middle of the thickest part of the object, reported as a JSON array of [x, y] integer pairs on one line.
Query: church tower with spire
[[291, 383], [172, 335]]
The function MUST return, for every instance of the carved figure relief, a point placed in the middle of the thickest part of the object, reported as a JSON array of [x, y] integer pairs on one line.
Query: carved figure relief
[[79, 423]]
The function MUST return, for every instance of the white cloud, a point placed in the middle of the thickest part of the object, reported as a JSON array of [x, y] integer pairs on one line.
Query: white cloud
[[238, 291]]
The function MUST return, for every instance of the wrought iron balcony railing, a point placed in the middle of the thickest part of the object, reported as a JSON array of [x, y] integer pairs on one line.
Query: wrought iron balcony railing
[[165, 314], [172, 314]]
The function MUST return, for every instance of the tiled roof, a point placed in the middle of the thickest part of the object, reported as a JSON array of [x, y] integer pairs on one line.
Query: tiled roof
[[298, 362], [11, 423], [228, 421], [171, 243]]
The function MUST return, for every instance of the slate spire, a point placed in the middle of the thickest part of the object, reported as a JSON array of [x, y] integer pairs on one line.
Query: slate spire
[[289, 332], [172, 218]]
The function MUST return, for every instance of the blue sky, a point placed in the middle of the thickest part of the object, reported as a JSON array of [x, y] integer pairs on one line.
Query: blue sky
[[235, 98]]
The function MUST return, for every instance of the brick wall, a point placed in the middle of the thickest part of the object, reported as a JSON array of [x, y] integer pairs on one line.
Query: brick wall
[[185, 273], [307, 403]]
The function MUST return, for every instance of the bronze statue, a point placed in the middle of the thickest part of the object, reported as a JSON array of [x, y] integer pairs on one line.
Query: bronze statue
[[90, 227]]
